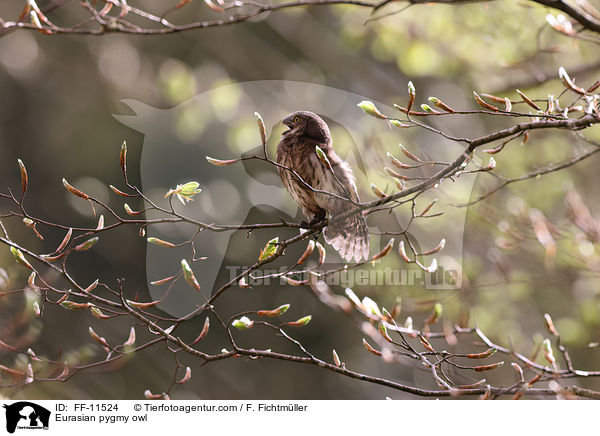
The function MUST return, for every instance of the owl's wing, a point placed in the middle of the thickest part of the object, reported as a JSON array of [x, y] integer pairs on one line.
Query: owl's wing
[[340, 182], [350, 235]]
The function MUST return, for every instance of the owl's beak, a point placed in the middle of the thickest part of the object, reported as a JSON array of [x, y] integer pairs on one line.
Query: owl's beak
[[289, 122]]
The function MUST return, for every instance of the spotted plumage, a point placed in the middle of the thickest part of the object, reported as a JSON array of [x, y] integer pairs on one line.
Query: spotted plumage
[[297, 152]]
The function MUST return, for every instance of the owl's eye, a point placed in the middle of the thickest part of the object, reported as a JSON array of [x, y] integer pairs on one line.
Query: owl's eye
[[296, 119]]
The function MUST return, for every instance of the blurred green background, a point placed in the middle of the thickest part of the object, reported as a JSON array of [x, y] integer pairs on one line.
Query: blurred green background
[[58, 97]]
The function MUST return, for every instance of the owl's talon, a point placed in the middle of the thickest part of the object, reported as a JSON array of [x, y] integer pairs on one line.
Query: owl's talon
[[313, 223]]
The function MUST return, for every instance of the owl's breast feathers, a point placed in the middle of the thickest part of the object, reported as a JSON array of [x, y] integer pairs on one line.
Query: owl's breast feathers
[[301, 157], [310, 183]]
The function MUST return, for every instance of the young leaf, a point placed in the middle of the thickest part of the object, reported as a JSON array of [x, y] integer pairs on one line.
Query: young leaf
[[411, 96], [74, 191], [261, 127], [185, 192], [203, 332], [370, 109], [243, 323], [269, 249], [528, 100], [18, 255], [439, 103], [370, 349], [160, 242], [123, 159], [274, 312], [483, 104], [189, 276], [221, 163], [87, 244], [24, 178], [385, 250], [301, 322], [309, 250]]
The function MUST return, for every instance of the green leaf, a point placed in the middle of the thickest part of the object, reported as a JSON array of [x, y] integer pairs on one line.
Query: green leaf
[[370, 109], [189, 276], [269, 249], [160, 242], [243, 323], [18, 255], [301, 322], [185, 192], [275, 312], [87, 244]]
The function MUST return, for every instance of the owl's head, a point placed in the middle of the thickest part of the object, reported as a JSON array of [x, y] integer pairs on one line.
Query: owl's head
[[307, 125]]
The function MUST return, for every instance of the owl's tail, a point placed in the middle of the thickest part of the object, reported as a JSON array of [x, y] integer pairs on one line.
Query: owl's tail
[[350, 237]]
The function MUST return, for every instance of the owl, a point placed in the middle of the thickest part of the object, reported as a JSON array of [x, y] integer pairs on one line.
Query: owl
[[309, 181]]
